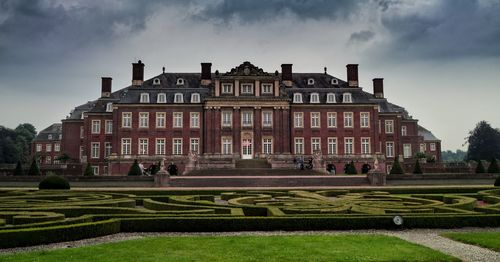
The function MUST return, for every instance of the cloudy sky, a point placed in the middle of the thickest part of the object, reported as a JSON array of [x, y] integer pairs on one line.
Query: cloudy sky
[[440, 59]]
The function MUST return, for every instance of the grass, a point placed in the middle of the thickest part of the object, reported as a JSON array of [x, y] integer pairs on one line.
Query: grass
[[489, 240], [245, 248]]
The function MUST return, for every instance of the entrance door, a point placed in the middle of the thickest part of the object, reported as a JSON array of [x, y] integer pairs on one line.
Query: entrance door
[[246, 148]]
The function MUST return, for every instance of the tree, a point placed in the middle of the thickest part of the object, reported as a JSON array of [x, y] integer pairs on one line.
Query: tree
[[480, 167], [19, 169], [417, 169], [135, 170], [88, 170], [493, 168], [484, 142], [450, 156], [64, 158], [15, 144], [396, 167], [34, 169]]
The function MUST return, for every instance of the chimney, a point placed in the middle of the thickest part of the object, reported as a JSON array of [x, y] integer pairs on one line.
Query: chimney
[[352, 75], [206, 73], [378, 87], [106, 86], [286, 74], [137, 73]]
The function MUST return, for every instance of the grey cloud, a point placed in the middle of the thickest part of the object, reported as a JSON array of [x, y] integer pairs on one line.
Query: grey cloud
[[362, 36]]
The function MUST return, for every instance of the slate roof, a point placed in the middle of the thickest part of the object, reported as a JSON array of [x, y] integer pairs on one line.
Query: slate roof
[[428, 135], [55, 131]]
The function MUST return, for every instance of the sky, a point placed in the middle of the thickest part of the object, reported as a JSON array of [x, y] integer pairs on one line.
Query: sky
[[440, 59]]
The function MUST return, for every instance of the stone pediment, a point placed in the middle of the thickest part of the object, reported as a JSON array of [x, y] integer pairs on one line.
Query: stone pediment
[[247, 69]]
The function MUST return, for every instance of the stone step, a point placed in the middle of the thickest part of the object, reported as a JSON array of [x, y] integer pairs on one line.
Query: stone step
[[252, 163], [253, 172]]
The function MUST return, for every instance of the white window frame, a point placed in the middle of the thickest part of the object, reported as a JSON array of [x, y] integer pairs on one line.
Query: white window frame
[[49, 137], [144, 98], [298, 119], [349, 146], [143, 119], [161, 119], [38, 147], [160, 146], [109, 107], [298, 145], [108, 149], [177, 120], [267, 118], [176, 146], [310, 81], [161, 98], [389, 126], [48, 160], [332, 119], [194, 120], [247, 118], [315, 144], [365, 146], [126, 146], [108, 129], [330, 98], [332, 146], [315, 119], [57, 147], [48, 148], [178, 98], [423, 147], [195, 98], [143, 146], [348, 119], [227, 145], [194, 145], [96, 127], [432, 147], [246, 88], [364, 119], [389, 149], [314, 99], [267, 145], [227, 118], [127, 119], [267, 88], [95, 170], [180, 81], [95, 148], [346, 98], [404, 131], [407, 151], [297, 98], [156, 81], [227, 88]]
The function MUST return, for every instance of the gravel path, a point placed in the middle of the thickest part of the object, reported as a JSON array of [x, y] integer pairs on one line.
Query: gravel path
[[425, 237]]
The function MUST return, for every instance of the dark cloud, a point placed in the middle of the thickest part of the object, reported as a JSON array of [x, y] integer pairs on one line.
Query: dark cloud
[[362, 36]]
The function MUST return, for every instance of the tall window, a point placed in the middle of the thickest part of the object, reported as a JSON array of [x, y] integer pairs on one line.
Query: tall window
[[82, 131], [177, 119], [247, 88], [48, 148], [314, 98], [267, 88], [38, 147], [315, 144], [143, 120], [364, 119], [126, 119], [227, 145], [126, 145], [109, 127], [297, 98], [143, 146], [403, 131], [422, 148], [330, 98], [432, 146], [365, 146], [95, 150], [195, 120], [332, 119], [177, 146], [96, 126], [227, 88], [267, 118], [389, 149], [348, 122], [48, 160], [57, 147], [162, 98], [332, 145], [349, 145], [161, 119], [247, 118], [160, 146], [194, 145], [406, 150], [315, 120], [227, 118], [389, 126], [267, 146], [298, 119], [107, 149], [178, 98], [144, 98], [299, 145]]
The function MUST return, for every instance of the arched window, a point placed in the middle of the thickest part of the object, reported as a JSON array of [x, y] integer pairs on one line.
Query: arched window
[[156, 81], [144, 98], [178, 98], [161, 99], [195, 98], [297, 98], [346, 98], [330, 98], [310, 81], [109, 107], [180, 81], [314, 98], [335, 81]]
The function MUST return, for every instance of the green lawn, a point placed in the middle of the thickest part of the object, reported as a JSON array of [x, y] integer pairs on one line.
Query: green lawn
[[245, 248], [489, 240]]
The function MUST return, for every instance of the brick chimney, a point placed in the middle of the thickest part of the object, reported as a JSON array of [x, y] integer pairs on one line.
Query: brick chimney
[[378, 87], [352, 75], [286, 74], [106, 86], [206, 74], [137, 73]]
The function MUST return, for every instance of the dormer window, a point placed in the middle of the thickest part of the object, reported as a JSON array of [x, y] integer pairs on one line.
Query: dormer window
[[109, 107], [247, 88], [144, 98], [178, 98], [314, 98], [335, 81], [50, 137], [162, 98], [310, 81], [297, 98], [346, 98], [195, 98], [330, 98], [156, 81], [60, 136], [180, 81], [267, 88]]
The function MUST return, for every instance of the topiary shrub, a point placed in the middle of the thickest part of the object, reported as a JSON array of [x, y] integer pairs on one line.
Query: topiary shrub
[[480, 167], [396, 167], [53, 181], [135, 170], [34, 169], [493, 168], [19, 169], [417, 169], [88, 170]]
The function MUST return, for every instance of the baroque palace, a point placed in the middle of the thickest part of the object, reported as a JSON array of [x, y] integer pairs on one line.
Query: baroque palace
[[213, 119]]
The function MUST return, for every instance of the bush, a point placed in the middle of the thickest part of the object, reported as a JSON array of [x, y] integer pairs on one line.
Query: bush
[[34, 169], [493, 168], [53, 181], [19, 169], [480, 167], [135, 170], [417, 169], [88, 170], [396, 167]]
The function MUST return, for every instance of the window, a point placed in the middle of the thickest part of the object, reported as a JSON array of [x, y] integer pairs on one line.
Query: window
[[422, 148], [298, 119], [335, 81], [60, 136], [267, 88], [332, 119], [247, 88], [143, 146], [348, 145], [227, 118], [267, 118], [38, 147], [95, 170], [144, 98], [81, 131], [403, 131], [195, 120], [108, 129], [433, 146], [162, 98], [299, 145], [177, 146], [48, 147], [156, 81], [332, 145], [48, 160], [82, 152], [143, 120], [195, 98], [365, 119], [330, 98], [267, 146], [126, 143], [194, 145], [160, 146], [126, 119], [365, 146], [297, 98], [107, 149], [315, 144], [227, 145], [178, 98], [227, 88], [109, 107], [315, 120], [346, 98], [96, 126], [177, 119], [348, 119], [314, 98], [389, 126], [389, 149], [247, 118], [57, 147], [310, 81], [180, 81], [406, 150], [95, 150], [160, 119], [49, 137]]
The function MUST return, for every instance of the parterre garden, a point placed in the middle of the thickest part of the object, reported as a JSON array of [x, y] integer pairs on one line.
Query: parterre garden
[[46, 216]]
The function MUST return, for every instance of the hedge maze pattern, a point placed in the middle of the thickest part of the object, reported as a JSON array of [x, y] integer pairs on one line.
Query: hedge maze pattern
[[36, 217]]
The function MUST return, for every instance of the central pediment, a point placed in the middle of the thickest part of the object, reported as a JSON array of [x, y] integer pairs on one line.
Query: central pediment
[[246, 69]]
